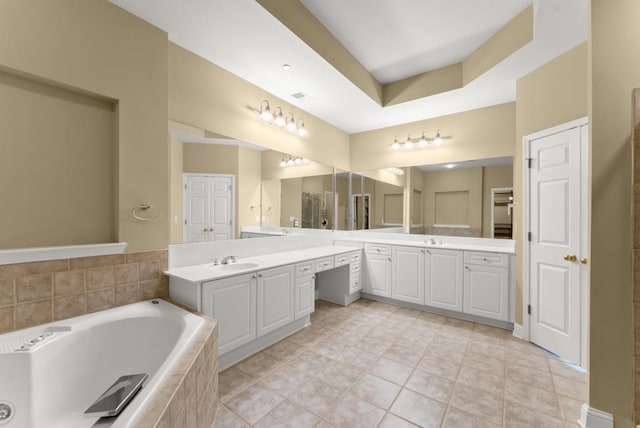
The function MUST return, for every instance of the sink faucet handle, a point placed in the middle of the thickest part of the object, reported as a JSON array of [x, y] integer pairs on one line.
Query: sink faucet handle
[[215, 261]]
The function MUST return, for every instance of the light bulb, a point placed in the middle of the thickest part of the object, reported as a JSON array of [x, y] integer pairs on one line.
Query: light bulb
[[408, 145], [266, 114], [283, 163], [302, 131], [279, 120], [291, 125], [305, 161], [395, 145], [298, 161], [438, 140], [290, 162], [422, 142]]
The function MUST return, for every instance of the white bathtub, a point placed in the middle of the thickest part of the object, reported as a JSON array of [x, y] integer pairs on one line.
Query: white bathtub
[[55, 381]]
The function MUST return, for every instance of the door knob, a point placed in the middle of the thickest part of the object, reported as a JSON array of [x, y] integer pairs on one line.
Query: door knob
[[211, 229], [570, 257], [205, 230], [584, 261]]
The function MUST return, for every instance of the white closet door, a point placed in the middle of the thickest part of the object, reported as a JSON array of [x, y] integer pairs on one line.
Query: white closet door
[[221, 207], [196, 209]]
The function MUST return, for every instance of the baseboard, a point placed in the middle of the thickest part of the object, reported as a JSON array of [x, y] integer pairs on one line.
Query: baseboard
[[519, 332], [594, 418]]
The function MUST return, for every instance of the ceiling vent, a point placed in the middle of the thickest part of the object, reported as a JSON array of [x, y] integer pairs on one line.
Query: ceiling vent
[[301, 96]]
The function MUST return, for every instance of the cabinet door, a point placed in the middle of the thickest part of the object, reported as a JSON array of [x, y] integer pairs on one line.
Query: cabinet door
[[443, 279], [378, 275], [275, 299], [232, 301], [486, 291], [305, 293], [407, 267]]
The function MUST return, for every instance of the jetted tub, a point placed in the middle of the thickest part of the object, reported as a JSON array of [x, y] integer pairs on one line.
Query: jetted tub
[[52, 382]]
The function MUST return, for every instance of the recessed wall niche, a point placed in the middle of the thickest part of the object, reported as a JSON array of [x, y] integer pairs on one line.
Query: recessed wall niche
[[56, 165]]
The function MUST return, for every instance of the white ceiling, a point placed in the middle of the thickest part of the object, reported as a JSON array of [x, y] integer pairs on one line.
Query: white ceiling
[[243, 38], [504, 161]]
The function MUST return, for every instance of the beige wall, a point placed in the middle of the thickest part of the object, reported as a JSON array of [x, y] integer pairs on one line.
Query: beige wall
[[176, 210], [248, 183], [386, 208], [270, 200], [74, 45], [210, 158], [449, 182], [477, 134], [492, 177], [57, 166], [290, 200], [203, 95], [615, 71]]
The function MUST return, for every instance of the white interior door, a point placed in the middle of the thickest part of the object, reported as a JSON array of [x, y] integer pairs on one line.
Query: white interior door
[[196, 209], [221, 208], [555, 243], [208, 207]]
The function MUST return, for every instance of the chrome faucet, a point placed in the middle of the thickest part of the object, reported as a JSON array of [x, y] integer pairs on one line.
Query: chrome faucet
[[228, 259]]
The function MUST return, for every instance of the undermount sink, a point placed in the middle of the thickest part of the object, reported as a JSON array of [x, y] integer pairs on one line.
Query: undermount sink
[[238, 266]]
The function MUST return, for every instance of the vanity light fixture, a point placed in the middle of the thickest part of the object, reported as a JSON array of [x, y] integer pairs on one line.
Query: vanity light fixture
[[293, 161], [395, 170], [418, 143], [277, 118]]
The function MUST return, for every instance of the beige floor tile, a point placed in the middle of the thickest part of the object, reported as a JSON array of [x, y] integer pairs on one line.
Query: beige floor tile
[[356, 353], [374, 345], [456, 418], [288, 415], [441, 366], [392, 421], [536, 398], [446, 351], [565, 370], [430, 385], [480, 379], [418, 409], [231, 382], [494, 348], [376, 391], [402, 354], [390, 370], [225, 418], [285, 379], [283, 350], [532, 376], [325, 424], [254, 402], [477, 402], [570, 408], [309, 361], [483, 362], [316, 396], [352, 412], [519, 416], [570, 387], [339, 374], [258, 365]]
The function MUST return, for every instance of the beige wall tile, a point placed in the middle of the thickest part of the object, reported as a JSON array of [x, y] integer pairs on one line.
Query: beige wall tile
[[100, 277], [89, 262], [126, 274], [145, 256], [7, 319], [151, 289], [69, 306], [34, 287], [100, 300], [34, 313], [7, 292], [126, 294], [69, 282], [149, 270]]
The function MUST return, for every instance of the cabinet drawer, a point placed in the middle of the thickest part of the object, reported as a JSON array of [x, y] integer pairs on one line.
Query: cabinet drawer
[[324, 264], [355, 268], [356, 257], [355, 283], [341, 259], [486, 259], [377, 249], [304, 269]]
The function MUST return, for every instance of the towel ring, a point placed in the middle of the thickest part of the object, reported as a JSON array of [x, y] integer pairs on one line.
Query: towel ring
[[143, 207]]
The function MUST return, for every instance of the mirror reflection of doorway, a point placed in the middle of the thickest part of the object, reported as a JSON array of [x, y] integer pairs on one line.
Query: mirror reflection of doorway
[[502, 213], [361, 207]]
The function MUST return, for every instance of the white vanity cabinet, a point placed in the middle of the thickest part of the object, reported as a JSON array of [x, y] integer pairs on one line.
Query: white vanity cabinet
[[355, 269], [378, 273], [275, 294], [232, 301], [407, 274], [304, 290], [443, 279], [486, 285]]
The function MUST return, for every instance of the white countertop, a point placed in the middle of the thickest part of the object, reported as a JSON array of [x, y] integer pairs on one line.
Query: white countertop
[[445, 246], [208, 272]]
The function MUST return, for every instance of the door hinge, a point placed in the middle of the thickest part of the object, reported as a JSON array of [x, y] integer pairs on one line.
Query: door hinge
[[529, 162], [185, 187], [528, 309], [529, 236], [185, 222]]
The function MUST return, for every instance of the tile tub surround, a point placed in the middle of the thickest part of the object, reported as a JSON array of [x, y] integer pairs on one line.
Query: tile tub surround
[[40, 292], [372, 364], [189, 398]]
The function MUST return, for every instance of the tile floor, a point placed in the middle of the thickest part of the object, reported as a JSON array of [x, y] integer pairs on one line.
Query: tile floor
[[377, 365]]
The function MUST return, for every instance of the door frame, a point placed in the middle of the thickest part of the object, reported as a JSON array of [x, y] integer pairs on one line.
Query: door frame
[[495, 190], [184, 199], [353, 199], [583, 123]]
